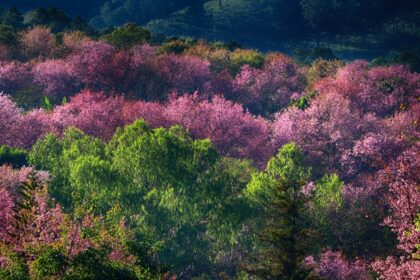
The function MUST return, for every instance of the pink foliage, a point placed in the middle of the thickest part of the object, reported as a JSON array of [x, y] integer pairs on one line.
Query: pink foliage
[[325, 130], [403, 178], [15, 76], [394, 269], [6, 215], [93, 66], [5, 53], [233, 132], [151, 112], [11, 178], [142, 55], [55, 76], [93, 113], [184, 73], [333, 265], [17, 130], [403, 197], [284, 127], [34, 125], [380, 90], [38, 41], [76, 242], [43, 223], [268, 90], [45, 228], [10, 119]]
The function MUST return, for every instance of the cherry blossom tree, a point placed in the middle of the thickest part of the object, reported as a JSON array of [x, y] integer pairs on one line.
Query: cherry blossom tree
[[333, 265], [382, 91], [92, 65], [184, 73], [152, 112], [10, 119], [15, 76], [94, 113], [266, 91], [233, 132], [325, 131], [402, 179], [56, 77], [38, 41]]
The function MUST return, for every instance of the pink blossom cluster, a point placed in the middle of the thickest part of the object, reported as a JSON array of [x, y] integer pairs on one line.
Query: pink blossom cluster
[[333, 265]]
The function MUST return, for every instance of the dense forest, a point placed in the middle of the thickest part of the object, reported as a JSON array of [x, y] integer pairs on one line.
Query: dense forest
[[127, 152]]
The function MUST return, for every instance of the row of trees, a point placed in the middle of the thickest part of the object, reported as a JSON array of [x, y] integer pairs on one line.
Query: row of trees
[[285, 21]]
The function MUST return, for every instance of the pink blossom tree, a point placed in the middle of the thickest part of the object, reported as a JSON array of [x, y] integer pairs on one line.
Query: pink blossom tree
[[233, 132], [268, 90], [382, 91], [6, 215], [402, 179], [56, 77], [10, 119], [94, 113], [325, 131], [92, 66], [333, 265], [30, 223], [38, 41], [184, 73], [15, 76], [152, 112]]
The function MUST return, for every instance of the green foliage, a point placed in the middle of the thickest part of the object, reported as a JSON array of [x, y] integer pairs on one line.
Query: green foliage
[[322, 68], [240, 57], [92, 264], [13, 156], [328, 192], [303, 101], [13, 18], [47, 264], [410, 59], [53, 18], [15, 269], [327, 197], [281, 228], [176, 46], [28, 97], [8, 36], [127, 36], [64, 158], [171, 188], [47, 104]]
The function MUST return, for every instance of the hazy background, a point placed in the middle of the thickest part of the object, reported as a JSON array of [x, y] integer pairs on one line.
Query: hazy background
[[357, 28]]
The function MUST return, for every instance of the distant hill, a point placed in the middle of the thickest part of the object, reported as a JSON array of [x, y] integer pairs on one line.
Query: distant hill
[[345, 26]]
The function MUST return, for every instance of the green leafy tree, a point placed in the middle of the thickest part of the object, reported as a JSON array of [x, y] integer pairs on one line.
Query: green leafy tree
[[8, 36], [183, 201], [13, 17], [53, 18], [13, 156], [68, 157], [240, 57], [127, 36], [282, 232], [16, 268]]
